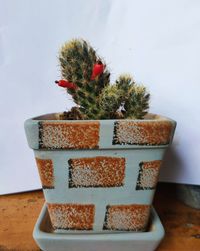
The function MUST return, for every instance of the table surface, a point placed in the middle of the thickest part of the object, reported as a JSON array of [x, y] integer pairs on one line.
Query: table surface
[[19, 213]]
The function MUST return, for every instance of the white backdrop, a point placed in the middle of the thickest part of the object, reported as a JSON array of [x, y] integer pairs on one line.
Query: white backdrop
[[158, 42]]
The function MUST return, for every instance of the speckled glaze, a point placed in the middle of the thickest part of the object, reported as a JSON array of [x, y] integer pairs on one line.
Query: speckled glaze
[[99, 176]]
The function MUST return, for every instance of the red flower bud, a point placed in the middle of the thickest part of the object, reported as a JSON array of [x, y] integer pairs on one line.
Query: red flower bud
[[97, 70], [66, 84]]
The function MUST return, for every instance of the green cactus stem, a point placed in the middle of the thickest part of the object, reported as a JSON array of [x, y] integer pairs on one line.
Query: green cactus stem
[[95, 97], [135, 97], [77, 59]]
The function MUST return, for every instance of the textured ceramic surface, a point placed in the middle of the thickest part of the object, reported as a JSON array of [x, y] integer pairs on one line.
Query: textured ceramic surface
[[47, 240], [99, 176]]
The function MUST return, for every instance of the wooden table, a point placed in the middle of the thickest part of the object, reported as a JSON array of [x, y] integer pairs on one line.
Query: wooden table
[[19, 213]]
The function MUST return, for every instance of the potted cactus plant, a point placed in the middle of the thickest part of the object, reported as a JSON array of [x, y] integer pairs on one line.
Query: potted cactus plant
[[99, 162]]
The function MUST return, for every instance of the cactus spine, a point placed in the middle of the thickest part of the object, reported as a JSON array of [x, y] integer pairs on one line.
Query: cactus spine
[[95, 97]]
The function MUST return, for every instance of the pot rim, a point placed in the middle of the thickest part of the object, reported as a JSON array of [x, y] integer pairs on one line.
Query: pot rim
[[149, 117], [151, 132]]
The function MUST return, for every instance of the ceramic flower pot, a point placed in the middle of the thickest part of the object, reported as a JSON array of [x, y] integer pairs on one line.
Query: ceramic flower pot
[[99, 175]]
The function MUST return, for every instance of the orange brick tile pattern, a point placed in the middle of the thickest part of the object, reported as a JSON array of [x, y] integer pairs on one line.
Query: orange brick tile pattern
[[100, 171], [142, 133], [45, 168], [72, 216], [127, 217], [60, 135], [148, 175]]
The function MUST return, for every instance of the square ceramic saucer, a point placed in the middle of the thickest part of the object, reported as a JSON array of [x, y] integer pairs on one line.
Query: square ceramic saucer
[[47, 240]]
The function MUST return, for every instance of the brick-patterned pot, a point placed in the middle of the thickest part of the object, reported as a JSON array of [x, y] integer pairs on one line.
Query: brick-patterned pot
[[99, 175]]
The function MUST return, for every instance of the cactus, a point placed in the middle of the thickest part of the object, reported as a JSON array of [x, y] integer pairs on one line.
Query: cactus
[[135, 98], [77, 59], [87, 79]]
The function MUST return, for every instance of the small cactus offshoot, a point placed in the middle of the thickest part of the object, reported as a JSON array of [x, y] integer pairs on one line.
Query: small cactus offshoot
[[87, 79]]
